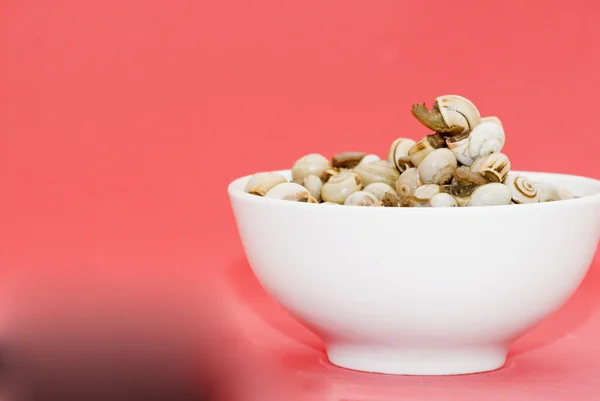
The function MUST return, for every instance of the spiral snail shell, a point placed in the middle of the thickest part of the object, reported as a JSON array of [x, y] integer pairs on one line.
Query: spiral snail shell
[[450, 115], [254, 179], [550, 193], [425, 146], [485, 139], [459, 145], [384, 193], [362, 198], [476, 166], [561, 193], [422, 195], [313, 163], [340, 186], [261, 183], [330, 172], [290, 191], [408, 183], [443, 199], [437, 167], [492, 194], [398, 153], [521, 189], [495, 167], [314, 185], [377, 171]]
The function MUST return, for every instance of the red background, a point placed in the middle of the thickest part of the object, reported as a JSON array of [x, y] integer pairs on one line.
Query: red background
[[121, 124]]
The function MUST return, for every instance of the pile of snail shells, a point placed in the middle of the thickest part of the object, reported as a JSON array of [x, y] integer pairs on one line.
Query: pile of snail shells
[[349, 178], [460, 163]]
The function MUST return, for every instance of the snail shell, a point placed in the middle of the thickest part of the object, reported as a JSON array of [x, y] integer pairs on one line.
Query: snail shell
[[398, 153], [312, 163], [407, 183], [495, 167], [377, 171], [261, 183], [550, 193], [545, 191], [451, 115], [492, 194], [369, 158], [458, 111], [438, 167], [425, 146], [290, 191], [314, 185], [423, 195], [561, 193], [476, 166], [253, 180], [362, 198], [327, 174], [459, 145], [521, 189], [464, 176], [384, 193], [338, 187], [443, 200], [464, 183], [347, 159], [485, 139]]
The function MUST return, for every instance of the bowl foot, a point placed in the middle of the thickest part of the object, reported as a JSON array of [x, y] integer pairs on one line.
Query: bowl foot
[[417, 361]]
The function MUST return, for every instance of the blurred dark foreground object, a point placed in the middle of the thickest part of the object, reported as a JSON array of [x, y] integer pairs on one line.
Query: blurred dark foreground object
[[96, 336], [96, 378], [91, 336]]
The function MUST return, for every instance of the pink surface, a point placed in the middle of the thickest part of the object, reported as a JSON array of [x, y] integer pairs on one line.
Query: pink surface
[[121, 123], [557, 360]]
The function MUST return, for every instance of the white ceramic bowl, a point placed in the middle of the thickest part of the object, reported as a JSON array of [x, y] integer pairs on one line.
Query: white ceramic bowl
[[420, 290]]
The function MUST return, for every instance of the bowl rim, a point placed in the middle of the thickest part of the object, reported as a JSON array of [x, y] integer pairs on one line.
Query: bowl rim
[[236, 190]]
